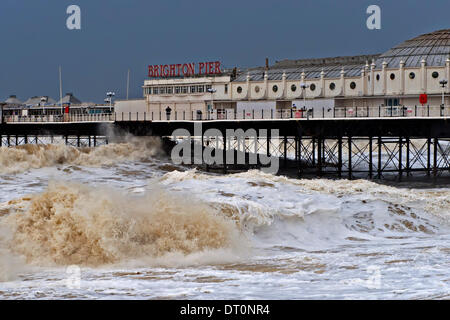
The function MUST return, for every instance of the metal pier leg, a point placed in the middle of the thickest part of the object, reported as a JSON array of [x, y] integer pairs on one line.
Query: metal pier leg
[[8, 137], [379, 158], [299, 163], [350, 158], [78, 141], [323, 151], [400, 166], [435, 157], [224, 151], [296, 148], [340, 157], [428, 156], [319, 156], [370, 159], [285, 152], [203, 145], [313, 151], [25, 139], [407, 156], [95, 141]]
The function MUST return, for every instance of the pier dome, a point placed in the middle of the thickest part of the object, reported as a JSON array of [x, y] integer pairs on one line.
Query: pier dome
[[432, 47]]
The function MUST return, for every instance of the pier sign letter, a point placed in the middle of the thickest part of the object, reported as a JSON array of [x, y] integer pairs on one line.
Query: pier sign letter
[[185, 69]]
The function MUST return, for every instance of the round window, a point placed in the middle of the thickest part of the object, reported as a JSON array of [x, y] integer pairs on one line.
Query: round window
[[293, 88], [257, 89], [239, 89], [312, 87], [412, 75], [392, 76], [352, 85], [275, 88], [435, 74], [378, 77], [332, 86]]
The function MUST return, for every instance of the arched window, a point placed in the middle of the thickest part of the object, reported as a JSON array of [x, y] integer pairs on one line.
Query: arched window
[[239, 89]]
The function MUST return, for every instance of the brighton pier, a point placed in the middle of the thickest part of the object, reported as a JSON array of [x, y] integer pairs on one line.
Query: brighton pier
[[361, 146]]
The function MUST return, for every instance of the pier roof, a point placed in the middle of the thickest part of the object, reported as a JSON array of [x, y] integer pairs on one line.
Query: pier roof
[[332, 67], [433, 48]]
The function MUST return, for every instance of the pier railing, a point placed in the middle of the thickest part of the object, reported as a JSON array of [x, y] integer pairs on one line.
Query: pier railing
[[100, 117], [246, 114], [316, 113]]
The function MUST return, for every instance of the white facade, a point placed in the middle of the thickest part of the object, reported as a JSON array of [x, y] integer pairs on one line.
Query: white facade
[[390, 79]]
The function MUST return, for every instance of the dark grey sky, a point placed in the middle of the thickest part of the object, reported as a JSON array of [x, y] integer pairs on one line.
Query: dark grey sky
[[119, 34]]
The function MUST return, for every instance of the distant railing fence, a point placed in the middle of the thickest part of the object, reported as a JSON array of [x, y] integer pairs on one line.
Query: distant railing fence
[[252, 114]]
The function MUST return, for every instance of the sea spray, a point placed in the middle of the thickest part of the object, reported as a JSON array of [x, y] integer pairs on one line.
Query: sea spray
[[29, 156], [74, 224]]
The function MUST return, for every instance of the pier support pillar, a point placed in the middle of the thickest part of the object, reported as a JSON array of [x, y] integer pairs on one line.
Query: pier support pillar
[[435, 157], [379, 169], [319, 156], [224, 151], [407, 168], [340, 157], [428, 156], [350, 158], [400, 164], [370, 159]]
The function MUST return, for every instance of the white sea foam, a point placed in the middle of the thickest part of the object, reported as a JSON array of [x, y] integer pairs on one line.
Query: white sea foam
[[281, 237]]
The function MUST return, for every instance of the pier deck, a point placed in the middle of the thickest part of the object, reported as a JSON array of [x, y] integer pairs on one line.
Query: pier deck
[[369, 147]]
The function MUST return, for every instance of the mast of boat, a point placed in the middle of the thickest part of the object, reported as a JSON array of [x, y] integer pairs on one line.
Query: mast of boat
[[60, 86], [128, 82]]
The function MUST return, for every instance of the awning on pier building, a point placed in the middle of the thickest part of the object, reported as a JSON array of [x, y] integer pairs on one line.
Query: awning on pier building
[[69, 98], [39, 101]]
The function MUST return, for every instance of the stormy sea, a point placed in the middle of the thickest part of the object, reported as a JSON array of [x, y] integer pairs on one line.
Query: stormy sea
[[120, 221]]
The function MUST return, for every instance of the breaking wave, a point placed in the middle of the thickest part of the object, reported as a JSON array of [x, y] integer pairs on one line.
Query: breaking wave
[[225, 219], [29, 156], [74, 224], [319, 213]]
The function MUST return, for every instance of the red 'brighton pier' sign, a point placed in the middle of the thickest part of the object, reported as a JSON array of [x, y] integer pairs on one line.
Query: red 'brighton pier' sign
[[186, 69]]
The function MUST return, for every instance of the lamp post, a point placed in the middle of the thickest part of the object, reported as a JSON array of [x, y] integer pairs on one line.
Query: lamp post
[[304, 86], [110, 94], [443, 84], [212, 91]]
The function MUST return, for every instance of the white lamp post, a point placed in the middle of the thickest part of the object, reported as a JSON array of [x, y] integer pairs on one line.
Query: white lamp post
[[110, 94], [443, 84], [212, 91], [304, 86]]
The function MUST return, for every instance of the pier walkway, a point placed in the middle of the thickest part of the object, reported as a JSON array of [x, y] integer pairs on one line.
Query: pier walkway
[[370, 143]]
